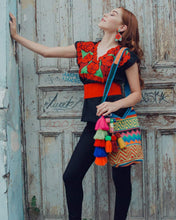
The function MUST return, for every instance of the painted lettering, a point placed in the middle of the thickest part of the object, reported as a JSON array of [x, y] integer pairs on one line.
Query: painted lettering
[[156, 97], [71, 77], [54, 103]]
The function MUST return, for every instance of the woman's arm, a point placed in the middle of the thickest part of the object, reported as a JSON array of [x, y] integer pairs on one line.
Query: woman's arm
[[134, 83], [65, 52], [133, 79]]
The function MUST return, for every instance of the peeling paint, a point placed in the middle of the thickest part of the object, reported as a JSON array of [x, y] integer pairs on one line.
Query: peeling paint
[[3, 98], [14, 141], [28, 113], [54, 210], [27, 3], [25, 17]]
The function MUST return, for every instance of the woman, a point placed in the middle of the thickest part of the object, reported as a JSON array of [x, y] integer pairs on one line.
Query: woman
[[94, 60]]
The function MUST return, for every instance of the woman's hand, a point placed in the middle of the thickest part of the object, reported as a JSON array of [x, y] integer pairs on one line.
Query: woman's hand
[[13, 31], [107, 108]]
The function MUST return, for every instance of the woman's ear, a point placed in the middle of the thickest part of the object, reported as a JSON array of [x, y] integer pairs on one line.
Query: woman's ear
[[123, 28]]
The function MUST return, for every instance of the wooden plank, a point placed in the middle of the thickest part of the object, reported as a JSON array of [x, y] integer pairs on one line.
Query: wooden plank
[[31, 125], [46, 31], [64, 33], [166, 160], [165, 24], [97, 14], [152, 176], [51, 154]]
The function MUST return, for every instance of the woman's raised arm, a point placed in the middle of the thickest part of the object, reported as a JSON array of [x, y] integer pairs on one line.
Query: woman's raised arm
[[64, 52]]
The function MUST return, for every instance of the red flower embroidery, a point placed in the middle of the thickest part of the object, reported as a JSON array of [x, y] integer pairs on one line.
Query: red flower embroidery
[[92, 67], [87, 46], [87, 58], [79, 54], [125, 58], [107, 60], [106, 70]]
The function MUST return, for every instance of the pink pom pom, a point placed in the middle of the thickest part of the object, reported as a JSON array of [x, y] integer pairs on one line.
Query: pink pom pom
[[101, 124]]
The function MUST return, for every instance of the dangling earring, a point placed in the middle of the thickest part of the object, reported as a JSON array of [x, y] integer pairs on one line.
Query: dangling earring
[[118, 36]]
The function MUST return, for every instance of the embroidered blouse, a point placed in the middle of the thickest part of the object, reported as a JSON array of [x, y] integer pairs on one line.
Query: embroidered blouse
[[93, 72]]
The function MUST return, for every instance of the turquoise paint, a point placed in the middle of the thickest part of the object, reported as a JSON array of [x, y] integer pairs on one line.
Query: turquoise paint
[[14, 156], [3, 44], [3, 142], [3, 183]]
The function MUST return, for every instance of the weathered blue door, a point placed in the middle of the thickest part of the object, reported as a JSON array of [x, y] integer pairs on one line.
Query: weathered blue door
[[52, 103]]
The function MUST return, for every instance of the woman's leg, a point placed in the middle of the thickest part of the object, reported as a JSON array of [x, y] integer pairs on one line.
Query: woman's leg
[[122, 181], [81, 160]]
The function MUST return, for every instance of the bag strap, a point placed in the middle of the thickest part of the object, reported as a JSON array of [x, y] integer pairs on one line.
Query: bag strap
[[112, 73]]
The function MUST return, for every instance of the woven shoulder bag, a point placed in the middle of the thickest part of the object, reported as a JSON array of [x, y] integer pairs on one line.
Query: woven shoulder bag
[[118, 139]]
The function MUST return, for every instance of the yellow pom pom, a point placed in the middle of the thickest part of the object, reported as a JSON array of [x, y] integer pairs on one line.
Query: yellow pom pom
[[121, 143]]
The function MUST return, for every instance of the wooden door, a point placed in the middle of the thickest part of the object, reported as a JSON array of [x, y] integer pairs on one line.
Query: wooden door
[[52, 102]]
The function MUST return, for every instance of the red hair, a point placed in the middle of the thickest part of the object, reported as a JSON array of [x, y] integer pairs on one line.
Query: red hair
[[130, 37]]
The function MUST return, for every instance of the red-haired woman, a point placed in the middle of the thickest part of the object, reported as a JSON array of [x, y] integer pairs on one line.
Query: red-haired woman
[[94, 60]]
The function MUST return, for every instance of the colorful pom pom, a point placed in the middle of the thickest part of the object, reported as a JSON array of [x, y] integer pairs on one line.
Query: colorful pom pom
[[108, 138], [101, 124], [100, 152], [101, 161], [114, 146], [99, 143], [113, 138], [108, 147], [100, 134], [121, 143]]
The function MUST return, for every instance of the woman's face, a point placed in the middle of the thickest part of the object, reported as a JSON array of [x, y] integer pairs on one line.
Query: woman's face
[[112, 20]]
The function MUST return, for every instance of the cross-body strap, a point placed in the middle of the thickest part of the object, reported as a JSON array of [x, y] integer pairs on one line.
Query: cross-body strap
[[112, 73]]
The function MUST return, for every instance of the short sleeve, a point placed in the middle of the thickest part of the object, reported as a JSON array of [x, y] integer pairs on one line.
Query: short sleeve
[[77, 44], [78, 51], [83, 48], [128, 59]]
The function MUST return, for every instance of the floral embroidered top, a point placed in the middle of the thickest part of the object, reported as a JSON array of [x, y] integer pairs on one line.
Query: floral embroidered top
[[93, 72]]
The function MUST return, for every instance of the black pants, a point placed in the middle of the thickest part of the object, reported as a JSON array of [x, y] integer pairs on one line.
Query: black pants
[[81, 160]]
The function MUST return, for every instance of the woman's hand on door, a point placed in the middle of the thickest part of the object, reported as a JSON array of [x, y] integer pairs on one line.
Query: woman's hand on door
[[12, 23]]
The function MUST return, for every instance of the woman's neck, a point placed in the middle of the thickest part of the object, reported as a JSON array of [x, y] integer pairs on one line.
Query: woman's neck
[[108, 40]]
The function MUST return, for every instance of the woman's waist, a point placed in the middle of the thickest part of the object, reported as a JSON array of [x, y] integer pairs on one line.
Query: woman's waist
[[93, 90]]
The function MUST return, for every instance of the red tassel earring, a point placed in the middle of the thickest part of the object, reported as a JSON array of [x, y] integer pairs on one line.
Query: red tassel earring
[[118, 36]]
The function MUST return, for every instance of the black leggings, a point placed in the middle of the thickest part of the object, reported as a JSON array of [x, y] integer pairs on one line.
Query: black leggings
[[81, 160]]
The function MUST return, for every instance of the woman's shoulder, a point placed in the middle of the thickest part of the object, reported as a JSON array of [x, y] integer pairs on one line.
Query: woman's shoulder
[[85, 45], [128, 59]]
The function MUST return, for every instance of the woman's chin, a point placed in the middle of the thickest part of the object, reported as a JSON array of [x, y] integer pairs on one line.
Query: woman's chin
[[100, 25]]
